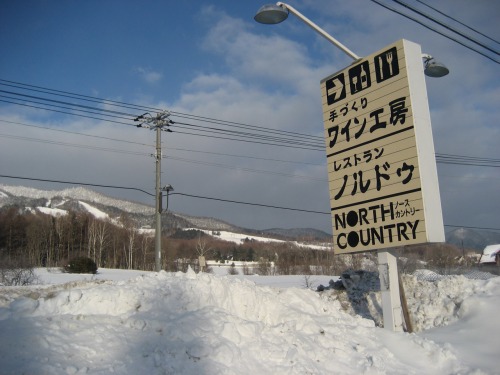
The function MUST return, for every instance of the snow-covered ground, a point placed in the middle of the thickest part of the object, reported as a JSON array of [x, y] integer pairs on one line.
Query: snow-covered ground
[[135, 322], [240, 238]]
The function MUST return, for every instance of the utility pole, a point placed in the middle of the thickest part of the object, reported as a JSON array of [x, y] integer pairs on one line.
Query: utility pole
[[159, 123]]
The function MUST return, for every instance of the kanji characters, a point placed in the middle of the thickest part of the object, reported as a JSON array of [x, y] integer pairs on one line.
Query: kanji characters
[[360, 122]]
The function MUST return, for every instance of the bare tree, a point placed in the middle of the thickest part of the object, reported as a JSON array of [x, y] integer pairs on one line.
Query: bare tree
[[92, 239], [202, 248], [102, 238]]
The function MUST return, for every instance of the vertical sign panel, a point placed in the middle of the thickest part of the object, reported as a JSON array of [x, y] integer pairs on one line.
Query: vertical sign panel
[[382, 174]]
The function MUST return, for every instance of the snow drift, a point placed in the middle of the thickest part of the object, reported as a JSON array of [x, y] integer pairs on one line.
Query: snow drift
[[165, 323]]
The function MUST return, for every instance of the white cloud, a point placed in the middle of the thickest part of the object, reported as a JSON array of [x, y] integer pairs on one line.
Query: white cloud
[[269, 76], [149, 75]]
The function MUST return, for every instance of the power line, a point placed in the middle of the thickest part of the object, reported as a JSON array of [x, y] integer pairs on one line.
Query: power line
[[248, 141], [88, 147], [211, 198], [225, 166], [255, 135], [151, 145], [251, 204], [440, 158], [242, 125], [457, 21], [67, 113], [182, 194], [467, 160], [67, 103], [77, 183], [415, 10], [451, 159], [247, 135], [245, 156], [67, 94], [75, 133], [433, 29]]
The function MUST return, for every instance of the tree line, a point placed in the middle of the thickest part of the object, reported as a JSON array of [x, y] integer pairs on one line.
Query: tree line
[[36, 239], [40, 240]]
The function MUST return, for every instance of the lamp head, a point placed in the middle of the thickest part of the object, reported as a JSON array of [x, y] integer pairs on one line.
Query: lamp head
[[432, 68], [271, 14], [168, 188]]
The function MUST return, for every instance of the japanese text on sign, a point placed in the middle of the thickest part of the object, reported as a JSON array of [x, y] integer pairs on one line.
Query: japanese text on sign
[[374, 172]]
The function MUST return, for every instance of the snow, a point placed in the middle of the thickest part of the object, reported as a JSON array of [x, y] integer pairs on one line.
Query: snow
[[239, 238], [98, 214], [52, 211], [137, 322], [78, 193]]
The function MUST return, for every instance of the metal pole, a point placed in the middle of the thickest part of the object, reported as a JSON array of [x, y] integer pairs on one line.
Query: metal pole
[[389, 288], [158, 192], [319, 30]]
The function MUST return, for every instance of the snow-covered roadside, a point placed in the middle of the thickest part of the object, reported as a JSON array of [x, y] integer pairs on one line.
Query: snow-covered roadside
[[165, 323]]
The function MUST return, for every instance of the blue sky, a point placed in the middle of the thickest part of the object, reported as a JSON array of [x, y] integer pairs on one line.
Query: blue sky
[[210, 58]]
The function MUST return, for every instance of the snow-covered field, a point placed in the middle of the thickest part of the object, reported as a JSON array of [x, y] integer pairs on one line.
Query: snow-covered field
[[240, 238], [134, 322]]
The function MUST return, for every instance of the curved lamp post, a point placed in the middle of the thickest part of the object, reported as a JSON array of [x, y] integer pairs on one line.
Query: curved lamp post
[[271, 14]]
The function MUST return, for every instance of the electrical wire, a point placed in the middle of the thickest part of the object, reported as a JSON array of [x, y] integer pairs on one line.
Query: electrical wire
[[76, 133], [244, 156], [247, 135], [247, 141], [245, 126], [77, 183], [255, 135], [67, 94], [457, 21], [433, 29], [209, 198], [23, 86], [74, 145], [68, 113], [448, 27], [251, 204], [467, 160], [176, 193], [440, 158], [164, 149], [129, 116], [225, 166]]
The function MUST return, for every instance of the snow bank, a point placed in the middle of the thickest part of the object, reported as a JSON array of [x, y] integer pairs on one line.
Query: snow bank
[[166, 323]]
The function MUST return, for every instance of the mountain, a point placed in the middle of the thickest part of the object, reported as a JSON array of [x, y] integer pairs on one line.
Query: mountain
[[58, 202], [79, 199], [472, 239]]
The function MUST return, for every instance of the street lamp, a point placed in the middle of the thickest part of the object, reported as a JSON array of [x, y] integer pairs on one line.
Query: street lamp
[[432, 68], [168, 188], [271, 14]]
